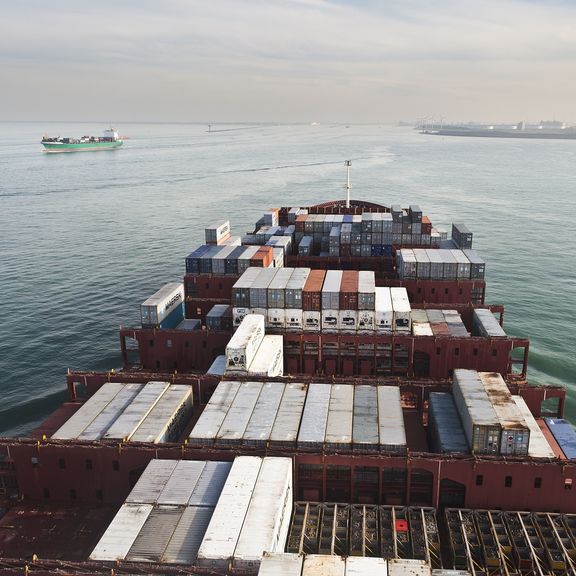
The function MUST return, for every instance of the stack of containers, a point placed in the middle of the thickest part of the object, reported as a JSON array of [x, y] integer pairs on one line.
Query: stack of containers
[[283, 242], [479, 419], [366, 301], [538, 446], [312, 301], [420, 323], [245, 259], [484, 324], [305, 246], [241, 295], [165, 308], [444, 427], [244, 343], [269, 359], [293, 296], [439, 264], [454, 323], [438, 323], [515, 437], [401, 308], [331, 300], [252, 515], [384, 312], [477, 265], [259, 291], [219, 317], [276, 298], [348, 302]]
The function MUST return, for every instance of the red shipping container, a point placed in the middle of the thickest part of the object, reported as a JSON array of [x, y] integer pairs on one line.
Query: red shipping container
[[349, 290], [312, 291], [426, 225], [300, 222]]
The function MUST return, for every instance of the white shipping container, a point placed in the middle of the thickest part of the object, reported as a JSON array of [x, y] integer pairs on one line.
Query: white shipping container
[[217, 231], [244, 344], [366, 566], [384, 313], [314, 416], [323, 565], [340, 415], [287, 423], [269, 359], [330, 320], [311, 321], [347, 320], [82, 418], [422, 329], [221, 538], [123, 530], [276, 318], [391, 430], [262, 418], [152, 482], [294, 318], [538, 446], [210, 421], [401, 567], [267, 517], [181, 484], [234, 425], [167, 420], [156, 308], [365, 321], [281, 564], [402, 309], [238, 314], [100, 425], [128, 422]]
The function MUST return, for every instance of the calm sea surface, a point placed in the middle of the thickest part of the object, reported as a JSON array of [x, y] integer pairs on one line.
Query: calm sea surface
[[86, 237]]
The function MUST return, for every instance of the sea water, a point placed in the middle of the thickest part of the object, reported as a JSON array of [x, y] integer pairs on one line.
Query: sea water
[[86, 237]]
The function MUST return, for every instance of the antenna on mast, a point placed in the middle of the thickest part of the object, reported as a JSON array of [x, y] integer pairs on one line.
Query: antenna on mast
[[348, 163]]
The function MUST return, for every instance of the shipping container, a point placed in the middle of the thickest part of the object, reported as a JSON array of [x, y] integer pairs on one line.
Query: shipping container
[[305, 246], [384, 313], [331, 290], [216, 232], [564, 434], [101, 423], [538, 446], [295, 286], [245, 259], [313, 424], [365, 421], [259, 287], [422, 329], [423, 266], [276, 318], [401, 308], [366, 566], [238, 314], [515, 436], [330, 320], [348, 298], [189, 324], [152, 482], [281, 564], [311, 321], [463, 264], [436, 263], [218, 545], [365, 323], [210, 484], [401, 567], [236, 420], [312, 291], [180, 486], [169, 417], [477, 265], [219, 317], [462, 236], [244, 343], [277, 288], [287, 423], [231, 262], [323, 565], [340, 416], [407, 264], [391, 430], [269, 359], [484, 323], [91, 408], [164, 308], [261, 421], [294, 319], [268, 516], [241, 288], [210, 421], [479, 419], [219, 260], [142, 404], [193, 259], [450, 264], [347, 320], [444, 426]]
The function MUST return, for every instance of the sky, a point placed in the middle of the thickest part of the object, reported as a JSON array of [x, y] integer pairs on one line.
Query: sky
[[288, 60]]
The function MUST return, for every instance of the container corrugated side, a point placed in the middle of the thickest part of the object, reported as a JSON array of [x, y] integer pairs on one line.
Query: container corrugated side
[[515, 432], [366, 566], [384, 312], [187, 537], [259, 288], [331, 290], [269, 359], [181, 484], [340, 416], [154, 536], [277, 288], [538, 446], [391, 430], [128, 422], [152, 482], [162, 303], [444, 426], [121, 533], [365, 420], [281, 564], [295, 287], [169, 417], [219, 542], [261, 421], [101, 424], [313, 424], [268, 515], [287, 422], [82, 418], [323, 565], [244, 344], [234, 425], [210, 421], [210, 484]]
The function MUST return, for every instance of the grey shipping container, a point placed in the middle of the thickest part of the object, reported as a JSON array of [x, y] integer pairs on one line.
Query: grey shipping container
[[331, 290], [365, 423], [391, 430], [315, 415]]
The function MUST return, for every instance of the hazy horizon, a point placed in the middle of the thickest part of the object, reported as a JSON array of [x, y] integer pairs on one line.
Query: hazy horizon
[[288, 61]]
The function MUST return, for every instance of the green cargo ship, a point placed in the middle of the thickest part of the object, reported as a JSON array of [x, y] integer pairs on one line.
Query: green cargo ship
[[108, 141]]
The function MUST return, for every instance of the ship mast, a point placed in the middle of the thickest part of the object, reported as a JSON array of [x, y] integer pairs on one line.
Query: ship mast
[[348, 163]]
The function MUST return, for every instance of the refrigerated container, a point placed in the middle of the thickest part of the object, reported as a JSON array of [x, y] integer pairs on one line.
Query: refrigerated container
[[340, 417], [294, 319], [538, 446], [314, 417], [262, 419], [391, 430], [365, 420], [285, 429], [234, 424], [244, 344], [269, 359], [401, 308], [384, 312]]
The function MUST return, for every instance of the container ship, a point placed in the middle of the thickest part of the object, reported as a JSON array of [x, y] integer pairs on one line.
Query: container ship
[[109, 141], [329, 394]]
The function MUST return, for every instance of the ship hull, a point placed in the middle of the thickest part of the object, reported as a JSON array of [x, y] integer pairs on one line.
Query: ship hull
[[503, 134], [81, 146]]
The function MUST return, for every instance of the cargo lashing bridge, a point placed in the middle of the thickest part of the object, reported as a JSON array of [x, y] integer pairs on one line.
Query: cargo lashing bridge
[[494, 543]]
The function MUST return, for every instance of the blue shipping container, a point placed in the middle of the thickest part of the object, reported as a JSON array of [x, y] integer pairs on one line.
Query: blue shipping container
[[565, 434], [191, 259]]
